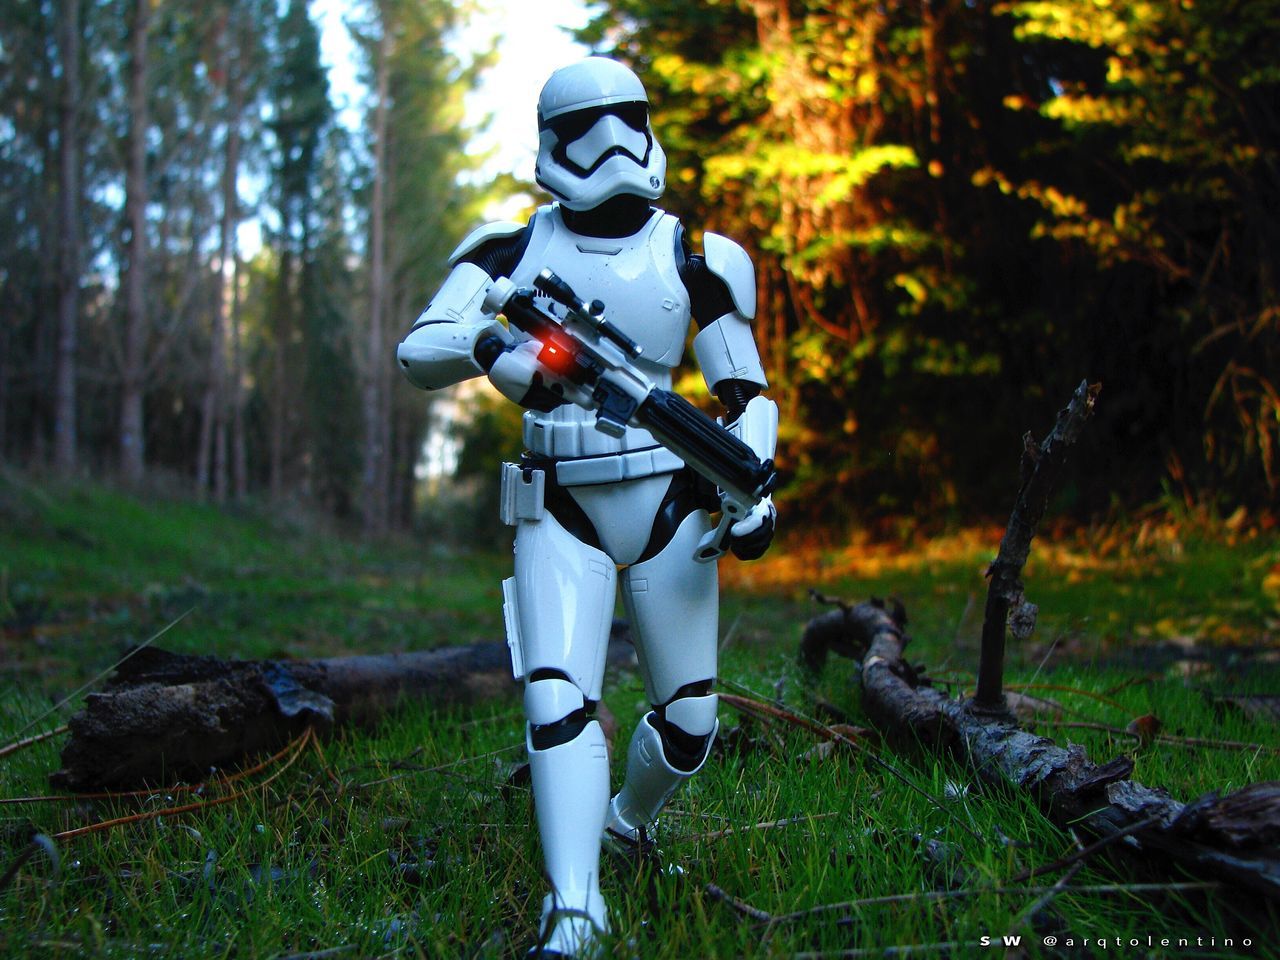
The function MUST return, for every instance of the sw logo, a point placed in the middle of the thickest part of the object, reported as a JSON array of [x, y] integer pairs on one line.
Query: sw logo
[[1007, 940]]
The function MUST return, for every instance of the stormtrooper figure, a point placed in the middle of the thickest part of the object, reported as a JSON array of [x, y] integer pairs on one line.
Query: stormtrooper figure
[[594, 512]]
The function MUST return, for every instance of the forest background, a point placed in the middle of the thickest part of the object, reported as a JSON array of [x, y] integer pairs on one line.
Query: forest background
[[957, 210]]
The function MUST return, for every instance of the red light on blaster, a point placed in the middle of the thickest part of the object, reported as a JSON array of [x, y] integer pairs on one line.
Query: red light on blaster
[[556, 358]]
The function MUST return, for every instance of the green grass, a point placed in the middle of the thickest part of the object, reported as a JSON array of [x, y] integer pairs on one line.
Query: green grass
[[408, 840]]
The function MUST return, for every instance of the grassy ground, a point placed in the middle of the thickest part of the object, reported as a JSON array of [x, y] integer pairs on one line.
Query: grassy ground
[[409, 840]]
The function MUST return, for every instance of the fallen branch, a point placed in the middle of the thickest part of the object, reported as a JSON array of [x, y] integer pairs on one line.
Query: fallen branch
[[1235, 838], [166, 717]]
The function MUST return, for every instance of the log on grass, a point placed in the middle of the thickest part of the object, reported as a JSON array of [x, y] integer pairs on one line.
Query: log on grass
[[1234, 838], [165, 717]]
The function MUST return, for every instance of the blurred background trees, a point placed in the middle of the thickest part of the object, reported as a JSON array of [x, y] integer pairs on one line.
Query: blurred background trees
[[957, 210], [145, 331]]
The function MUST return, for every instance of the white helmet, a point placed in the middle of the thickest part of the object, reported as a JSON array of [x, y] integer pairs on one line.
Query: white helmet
[[594, 138]]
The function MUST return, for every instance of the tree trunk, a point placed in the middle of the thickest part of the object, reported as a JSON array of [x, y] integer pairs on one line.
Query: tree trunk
[[64, 405], [375, 387], [239, 452], [211, 462], [133, 372], [279, 390]]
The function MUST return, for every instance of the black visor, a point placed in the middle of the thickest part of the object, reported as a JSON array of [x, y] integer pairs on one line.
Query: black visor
[[568, 127]]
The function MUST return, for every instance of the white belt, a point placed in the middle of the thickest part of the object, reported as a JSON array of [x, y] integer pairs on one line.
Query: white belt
[[579, 438], [618, 467]]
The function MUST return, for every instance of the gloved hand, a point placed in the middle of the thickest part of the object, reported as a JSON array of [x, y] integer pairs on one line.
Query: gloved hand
[[750, 537], [515, 371]]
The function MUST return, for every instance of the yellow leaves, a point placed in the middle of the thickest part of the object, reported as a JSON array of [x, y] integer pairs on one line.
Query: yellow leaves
[[1271, 584], [1079, 110], [1126, 232], [687, 76], [1050, 197], [867, 85], [912, 285], [1058, 203], [814, 359], [856, 170], [802, 567], [1121, 25], [1149, 151], [829, 177], [1132, 30], [1198, 630], [668, 65]]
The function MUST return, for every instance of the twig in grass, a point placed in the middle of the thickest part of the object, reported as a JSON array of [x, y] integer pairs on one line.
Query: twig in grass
[[81, 689], [32, 740], [1062, 688], [298, 745], [1132, 682], [437, 769], [324, 765], [741, 906], [1053, 645], [1083, 853], [930, 896], [1189, 742], [767, 825], [765, 711], [1028, 915]]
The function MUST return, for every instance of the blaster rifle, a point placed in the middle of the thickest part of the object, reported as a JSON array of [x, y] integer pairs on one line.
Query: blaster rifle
[[591, 360]]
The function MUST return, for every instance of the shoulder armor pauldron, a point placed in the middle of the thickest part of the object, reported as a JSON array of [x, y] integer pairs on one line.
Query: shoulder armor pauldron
[[728, 261], [499, 230]]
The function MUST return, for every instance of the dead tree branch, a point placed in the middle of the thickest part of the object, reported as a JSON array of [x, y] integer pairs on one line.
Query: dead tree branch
[[166, 717], [1006, 605], [1234, 838]]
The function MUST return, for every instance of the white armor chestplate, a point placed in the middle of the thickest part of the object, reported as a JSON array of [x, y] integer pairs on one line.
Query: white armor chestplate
[[637, 280]]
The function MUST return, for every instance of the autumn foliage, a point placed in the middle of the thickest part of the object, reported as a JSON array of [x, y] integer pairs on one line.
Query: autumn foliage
[[959, 210]]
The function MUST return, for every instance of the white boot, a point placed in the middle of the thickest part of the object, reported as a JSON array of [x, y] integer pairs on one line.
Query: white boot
[[650, 781], [570, 792], [575, 931]]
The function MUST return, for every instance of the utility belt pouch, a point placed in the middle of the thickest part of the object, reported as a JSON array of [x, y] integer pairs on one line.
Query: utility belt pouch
[[511, 620], [523, 492]]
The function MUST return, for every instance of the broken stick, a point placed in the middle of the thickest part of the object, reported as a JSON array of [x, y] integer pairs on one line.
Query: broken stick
[[166, 717]]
